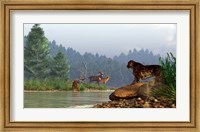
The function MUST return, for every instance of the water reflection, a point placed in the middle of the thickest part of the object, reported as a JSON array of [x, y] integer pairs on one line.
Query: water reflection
[[63, 99], [75, 94]]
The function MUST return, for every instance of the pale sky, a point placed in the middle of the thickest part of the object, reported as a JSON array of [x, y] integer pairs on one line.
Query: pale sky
[[112, 39]]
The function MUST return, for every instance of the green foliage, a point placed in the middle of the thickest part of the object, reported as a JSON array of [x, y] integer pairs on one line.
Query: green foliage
[[164, 91], [38, 64], [60, 67], [60, 85], [169, 70], [85, 86], [39, 85], [36, 54], [168, 66]]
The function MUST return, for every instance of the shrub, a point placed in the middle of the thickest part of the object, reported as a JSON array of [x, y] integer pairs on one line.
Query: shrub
[[84, 86], [40, 85], [60, 85], [103, 87], [164, 91], [168, 68]]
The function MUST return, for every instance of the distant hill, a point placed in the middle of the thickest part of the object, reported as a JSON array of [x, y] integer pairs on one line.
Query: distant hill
[[143, 56]]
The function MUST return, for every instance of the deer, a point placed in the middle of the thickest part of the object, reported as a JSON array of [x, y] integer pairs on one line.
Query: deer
[[105, 80], [96, 78]]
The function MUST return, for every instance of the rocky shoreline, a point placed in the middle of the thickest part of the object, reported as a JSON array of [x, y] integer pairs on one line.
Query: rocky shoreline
[[138, 95], [150, 102]]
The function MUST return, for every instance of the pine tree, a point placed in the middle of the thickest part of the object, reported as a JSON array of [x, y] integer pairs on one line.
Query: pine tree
[[60, 67], [36, 54]]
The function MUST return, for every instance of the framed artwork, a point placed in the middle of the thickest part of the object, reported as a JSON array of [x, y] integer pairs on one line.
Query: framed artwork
[[95, 65]]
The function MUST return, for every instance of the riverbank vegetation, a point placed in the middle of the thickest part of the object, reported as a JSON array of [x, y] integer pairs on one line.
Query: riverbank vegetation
[[168, 66], [59, 85]]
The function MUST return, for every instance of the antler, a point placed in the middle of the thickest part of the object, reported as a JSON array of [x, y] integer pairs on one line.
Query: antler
[[100, 72]]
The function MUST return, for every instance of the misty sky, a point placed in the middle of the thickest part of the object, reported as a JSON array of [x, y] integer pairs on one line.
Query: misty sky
[[112, 39]]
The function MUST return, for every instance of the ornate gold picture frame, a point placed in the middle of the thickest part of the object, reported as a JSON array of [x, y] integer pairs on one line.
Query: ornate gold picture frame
[[8, 6]]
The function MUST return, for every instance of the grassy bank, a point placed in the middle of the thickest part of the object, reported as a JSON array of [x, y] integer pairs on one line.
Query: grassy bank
[[49, 85]]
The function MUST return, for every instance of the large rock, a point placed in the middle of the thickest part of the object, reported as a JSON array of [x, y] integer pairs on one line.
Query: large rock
[[131, 91]]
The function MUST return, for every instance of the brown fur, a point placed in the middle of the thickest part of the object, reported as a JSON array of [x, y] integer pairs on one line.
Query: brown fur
[[105, 80], [144, 71], [75, 86], [96, 78]]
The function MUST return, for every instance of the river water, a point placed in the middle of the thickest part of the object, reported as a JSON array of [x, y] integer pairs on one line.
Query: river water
[[67, 99]]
